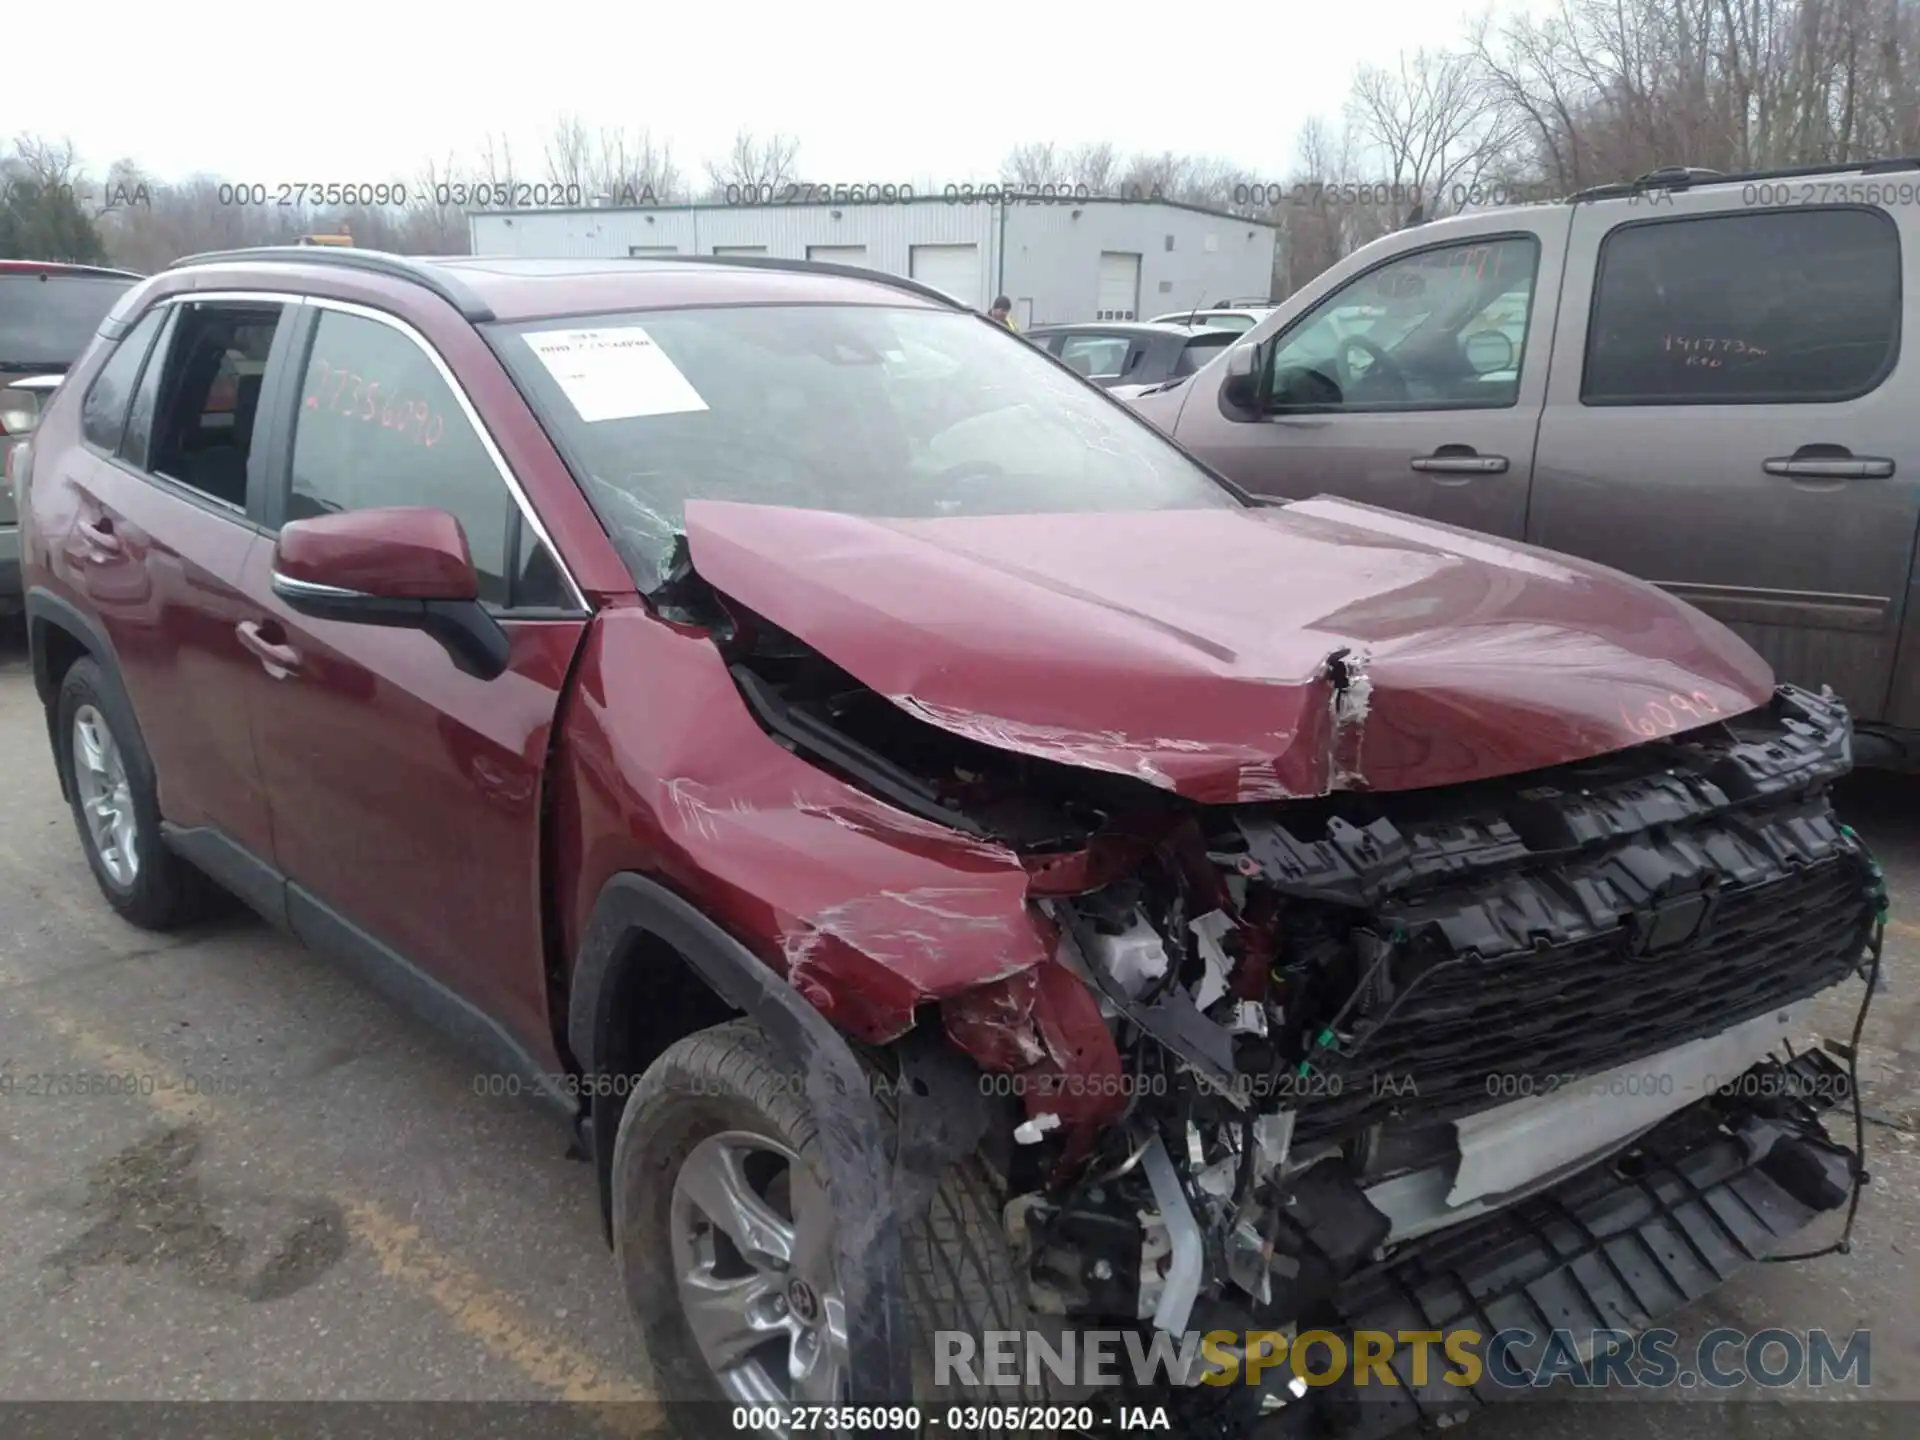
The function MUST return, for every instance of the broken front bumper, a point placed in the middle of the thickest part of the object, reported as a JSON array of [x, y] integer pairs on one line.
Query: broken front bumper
[[1618, 1246]]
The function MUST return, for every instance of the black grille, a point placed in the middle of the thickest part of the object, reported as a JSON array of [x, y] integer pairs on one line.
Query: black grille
[[1542, 1016], [1505, 938]]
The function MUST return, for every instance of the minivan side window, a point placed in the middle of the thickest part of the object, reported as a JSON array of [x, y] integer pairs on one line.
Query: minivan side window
[[1786, 307], [378, 426], [103, 414], [1444, 328]]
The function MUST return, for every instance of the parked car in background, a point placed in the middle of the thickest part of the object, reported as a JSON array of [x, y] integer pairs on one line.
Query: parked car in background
[[1129, 356], [48, 315], [1684, 377], [938, 848], [1218, 318]]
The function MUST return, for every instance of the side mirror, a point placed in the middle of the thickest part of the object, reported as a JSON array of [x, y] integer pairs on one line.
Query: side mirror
[[402, 567], [1488, 351], [1240, 387]]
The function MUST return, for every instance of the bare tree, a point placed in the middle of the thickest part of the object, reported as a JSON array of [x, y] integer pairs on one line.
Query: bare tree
[[1432, 124], [435, 222], [1095, 165], [1093, 168], [495, 170], [190, 216], [570, 158], [632, 169], [609, 166], [754, 166], [52, 164], [1034, 165], [1604, 90]]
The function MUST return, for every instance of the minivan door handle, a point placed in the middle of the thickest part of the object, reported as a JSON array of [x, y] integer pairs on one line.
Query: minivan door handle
[[1459, 460], [1828, 462]]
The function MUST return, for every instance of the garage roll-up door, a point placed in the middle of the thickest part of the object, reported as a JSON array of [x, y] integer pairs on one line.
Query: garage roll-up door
[[952, 269], [1119, 295], [838, 254]]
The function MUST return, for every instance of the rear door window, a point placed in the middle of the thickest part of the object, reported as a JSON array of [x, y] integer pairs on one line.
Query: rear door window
[[1095, 356], [103, 414], [196, 443], [1775, 307]]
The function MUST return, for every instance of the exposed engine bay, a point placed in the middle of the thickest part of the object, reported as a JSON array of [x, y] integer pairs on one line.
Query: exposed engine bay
[[1351, 1021]]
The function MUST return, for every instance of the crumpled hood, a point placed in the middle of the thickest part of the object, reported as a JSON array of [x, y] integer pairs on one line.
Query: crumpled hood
[[1237, 655]]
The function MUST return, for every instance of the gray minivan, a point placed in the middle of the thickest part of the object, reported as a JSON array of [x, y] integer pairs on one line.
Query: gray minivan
[[1695, 378]]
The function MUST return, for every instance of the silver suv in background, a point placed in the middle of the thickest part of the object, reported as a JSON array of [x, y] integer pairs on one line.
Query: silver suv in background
[[1130, 356], [1218, 317], [48, 315], [1693, 377]]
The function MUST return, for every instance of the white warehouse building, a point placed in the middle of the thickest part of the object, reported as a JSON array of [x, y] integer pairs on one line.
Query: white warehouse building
[[1057, 261]]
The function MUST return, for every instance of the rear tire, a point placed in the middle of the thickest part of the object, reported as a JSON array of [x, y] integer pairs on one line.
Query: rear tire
[[730, 1081], [116, 807]]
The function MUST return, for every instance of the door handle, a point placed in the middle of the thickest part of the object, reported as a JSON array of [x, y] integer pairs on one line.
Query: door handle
[[1459, 460], [99, 534], [280, 661], [1828, 462]]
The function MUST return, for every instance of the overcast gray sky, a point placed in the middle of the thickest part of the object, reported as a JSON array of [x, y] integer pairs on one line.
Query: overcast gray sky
[[874, 92]]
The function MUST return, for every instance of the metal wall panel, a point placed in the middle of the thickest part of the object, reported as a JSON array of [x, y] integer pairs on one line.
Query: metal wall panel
[[888, 231], [1051, 265], [1053, 256]]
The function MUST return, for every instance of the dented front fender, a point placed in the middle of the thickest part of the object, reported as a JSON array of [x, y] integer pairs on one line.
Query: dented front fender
[[869, 913]]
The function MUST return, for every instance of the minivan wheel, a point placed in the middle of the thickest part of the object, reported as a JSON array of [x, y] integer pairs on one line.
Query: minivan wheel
[[723, 1232], [116, 809]]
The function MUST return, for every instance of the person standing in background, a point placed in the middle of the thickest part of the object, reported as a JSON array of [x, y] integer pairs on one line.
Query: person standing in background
[[1002, 314]]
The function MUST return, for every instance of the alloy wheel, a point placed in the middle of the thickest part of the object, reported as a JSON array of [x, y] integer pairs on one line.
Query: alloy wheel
[[106, 797], [752, 1237]]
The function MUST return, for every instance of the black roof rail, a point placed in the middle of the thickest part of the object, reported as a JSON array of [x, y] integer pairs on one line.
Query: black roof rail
[[436, 278], [810, 267], [1682, 177]]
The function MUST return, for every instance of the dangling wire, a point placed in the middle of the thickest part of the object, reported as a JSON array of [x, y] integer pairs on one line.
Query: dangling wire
[[1844, 1245]]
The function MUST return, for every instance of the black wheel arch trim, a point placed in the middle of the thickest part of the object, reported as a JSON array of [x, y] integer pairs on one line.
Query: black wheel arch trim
[[878, 1172], [44, 608]]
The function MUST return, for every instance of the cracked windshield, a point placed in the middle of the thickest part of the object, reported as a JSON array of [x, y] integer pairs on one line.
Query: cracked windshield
[[866, 410]]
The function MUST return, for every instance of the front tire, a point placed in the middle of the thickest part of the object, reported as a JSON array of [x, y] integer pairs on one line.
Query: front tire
[[717, 1125], [110, 785]]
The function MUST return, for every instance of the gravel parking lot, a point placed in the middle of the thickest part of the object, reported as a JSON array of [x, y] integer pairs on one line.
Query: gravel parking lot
[[306, 1199]]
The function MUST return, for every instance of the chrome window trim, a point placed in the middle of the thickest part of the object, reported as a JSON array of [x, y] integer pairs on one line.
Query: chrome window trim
[[394, 322], [258, 297], [194, 492]]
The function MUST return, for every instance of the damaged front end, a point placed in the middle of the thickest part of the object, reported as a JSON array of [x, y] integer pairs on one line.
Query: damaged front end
[[1284, 1051], [1358, 1028]]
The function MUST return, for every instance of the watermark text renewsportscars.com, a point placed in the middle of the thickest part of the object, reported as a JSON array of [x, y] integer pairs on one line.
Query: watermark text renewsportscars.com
[[1518, 1358]]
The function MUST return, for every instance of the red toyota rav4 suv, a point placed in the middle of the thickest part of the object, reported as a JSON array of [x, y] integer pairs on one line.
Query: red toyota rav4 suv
[[953, 858]]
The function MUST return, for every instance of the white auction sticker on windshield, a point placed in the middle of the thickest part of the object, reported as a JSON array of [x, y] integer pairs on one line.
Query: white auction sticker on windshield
[[615, 374]]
